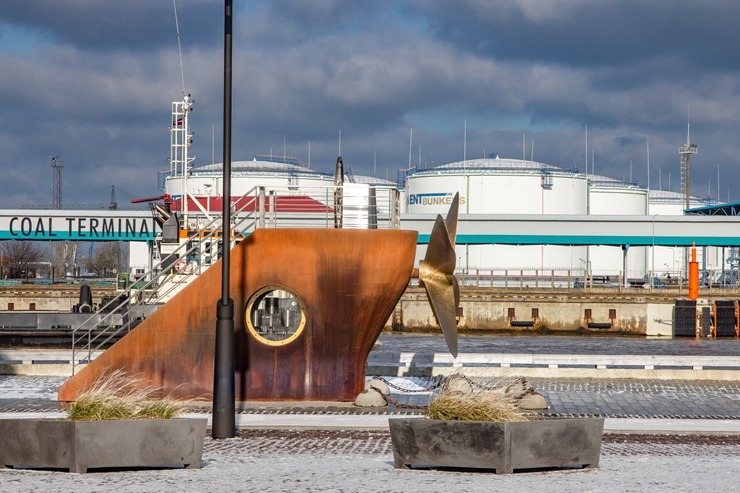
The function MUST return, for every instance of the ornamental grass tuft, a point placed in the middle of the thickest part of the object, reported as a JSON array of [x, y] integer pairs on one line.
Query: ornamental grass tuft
[[472, 402], [115, 395]]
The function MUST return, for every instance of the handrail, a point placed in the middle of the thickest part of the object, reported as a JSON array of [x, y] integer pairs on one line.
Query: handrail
[[258, 207], [155, 288], [362, 207]]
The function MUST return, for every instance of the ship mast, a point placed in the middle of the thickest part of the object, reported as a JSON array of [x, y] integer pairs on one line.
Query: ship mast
[[181, 138]]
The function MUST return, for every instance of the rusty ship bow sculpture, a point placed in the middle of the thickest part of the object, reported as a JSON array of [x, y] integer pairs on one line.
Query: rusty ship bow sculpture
[[310, 304]]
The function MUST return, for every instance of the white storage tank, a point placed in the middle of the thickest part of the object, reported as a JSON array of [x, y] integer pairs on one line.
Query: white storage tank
[[303, 196], [503, 186], [497, 186], [615, 197], [269, 172]]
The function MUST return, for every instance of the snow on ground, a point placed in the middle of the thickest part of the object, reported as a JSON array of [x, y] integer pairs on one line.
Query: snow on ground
[[267, 473], [30, 387], [232, 466]]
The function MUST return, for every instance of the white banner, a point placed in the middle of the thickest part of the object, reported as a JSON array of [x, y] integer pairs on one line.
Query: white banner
[[77, 225]]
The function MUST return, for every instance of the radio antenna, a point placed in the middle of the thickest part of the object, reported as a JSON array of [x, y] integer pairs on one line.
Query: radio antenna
[[179, 48]]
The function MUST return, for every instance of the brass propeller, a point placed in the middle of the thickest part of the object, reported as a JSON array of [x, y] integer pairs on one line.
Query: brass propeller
[[437, 274]]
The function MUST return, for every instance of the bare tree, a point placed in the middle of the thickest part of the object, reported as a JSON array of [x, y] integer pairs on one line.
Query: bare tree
[[20, 258], [109, 258]]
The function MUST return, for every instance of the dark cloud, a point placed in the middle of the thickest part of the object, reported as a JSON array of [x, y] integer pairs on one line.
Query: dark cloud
[[92, 82], [131, 25], [587, 33]]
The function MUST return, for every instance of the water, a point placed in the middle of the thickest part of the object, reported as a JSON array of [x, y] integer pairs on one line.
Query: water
[[549, 344]]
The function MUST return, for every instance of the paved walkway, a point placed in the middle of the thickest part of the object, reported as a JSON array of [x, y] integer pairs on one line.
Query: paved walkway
[[604, 397], [619, 399], [300, 460], [608, 398]]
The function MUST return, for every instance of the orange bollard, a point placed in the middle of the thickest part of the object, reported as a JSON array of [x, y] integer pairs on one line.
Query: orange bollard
[[693, 275]]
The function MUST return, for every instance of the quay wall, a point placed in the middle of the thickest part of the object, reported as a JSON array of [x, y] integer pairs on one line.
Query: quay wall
[[597, 310], [545, 310], [47, 298]]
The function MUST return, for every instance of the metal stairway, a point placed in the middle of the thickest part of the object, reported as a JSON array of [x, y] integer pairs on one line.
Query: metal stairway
[[162, 282]]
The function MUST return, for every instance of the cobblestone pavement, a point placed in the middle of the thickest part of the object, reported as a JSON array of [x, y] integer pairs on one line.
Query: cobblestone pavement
[[608, 398], [363, 442], [603, 397], [623, 399], [642, 399]]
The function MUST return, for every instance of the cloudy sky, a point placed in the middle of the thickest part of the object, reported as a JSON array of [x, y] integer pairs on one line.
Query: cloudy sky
[[92, 82]]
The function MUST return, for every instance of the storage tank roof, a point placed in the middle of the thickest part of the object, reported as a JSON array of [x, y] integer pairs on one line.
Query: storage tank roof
[[668, 196], [269, 164], [288, 166], [487, 166], [609, 182], [371, 180]]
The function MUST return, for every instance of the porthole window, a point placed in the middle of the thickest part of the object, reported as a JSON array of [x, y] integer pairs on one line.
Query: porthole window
[[275, 316]]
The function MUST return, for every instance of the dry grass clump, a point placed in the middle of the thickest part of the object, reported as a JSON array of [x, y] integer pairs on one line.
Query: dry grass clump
[[115, 395], [474, 403]]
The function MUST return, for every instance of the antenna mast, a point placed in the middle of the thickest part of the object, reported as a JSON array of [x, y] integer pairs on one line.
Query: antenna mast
[[686, 151], [179, 48], [586, 154], [411, 139], [181, 137], [465, 140], [113, 205], [57, 164]]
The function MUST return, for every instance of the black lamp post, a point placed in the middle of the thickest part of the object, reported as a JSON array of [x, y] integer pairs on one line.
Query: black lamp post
[[224, 418]]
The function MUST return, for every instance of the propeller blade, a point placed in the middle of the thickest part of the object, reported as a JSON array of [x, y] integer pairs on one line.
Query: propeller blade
[[440, 251], [442, 291], [436, 272], [451, 219]]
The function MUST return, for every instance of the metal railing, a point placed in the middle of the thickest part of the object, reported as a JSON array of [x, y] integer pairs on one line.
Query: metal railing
[[366, 207], [159, 284], [531, 278], [362, 207]]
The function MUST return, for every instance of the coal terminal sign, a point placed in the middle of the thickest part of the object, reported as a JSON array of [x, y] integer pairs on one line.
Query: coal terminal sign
[[78, 225]]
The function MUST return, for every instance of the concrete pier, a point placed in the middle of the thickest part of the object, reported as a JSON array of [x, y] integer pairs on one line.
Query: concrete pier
[[630, 311]]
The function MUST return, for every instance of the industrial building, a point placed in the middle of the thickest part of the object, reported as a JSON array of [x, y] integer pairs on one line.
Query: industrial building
[[512, 186]]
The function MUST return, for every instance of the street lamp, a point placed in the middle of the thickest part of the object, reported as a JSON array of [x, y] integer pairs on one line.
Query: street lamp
[[224, 418]]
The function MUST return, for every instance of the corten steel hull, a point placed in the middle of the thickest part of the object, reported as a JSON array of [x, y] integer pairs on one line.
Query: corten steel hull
[[349, 281]]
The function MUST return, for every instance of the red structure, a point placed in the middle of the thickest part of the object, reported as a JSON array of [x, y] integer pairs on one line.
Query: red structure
[[693, 276], [327, 294]]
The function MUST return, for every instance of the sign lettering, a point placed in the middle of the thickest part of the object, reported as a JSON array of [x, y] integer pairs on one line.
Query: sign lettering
[[442, 198], [83, 228]]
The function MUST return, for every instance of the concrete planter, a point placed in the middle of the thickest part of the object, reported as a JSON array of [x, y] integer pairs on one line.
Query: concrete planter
[[505, 447], [81, 445]]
